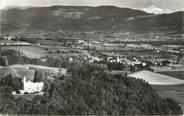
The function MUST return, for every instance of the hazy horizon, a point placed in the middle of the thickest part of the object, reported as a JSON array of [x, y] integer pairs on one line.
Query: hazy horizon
[[156, 6]]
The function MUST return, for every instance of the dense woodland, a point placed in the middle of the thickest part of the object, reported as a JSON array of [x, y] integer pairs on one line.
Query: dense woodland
[[88, 89]]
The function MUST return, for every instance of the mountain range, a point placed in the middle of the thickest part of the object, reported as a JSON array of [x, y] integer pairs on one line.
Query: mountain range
[[86, 18]]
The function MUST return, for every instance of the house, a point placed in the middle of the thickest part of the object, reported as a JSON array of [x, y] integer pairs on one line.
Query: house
[[31, 87], [111, 59]]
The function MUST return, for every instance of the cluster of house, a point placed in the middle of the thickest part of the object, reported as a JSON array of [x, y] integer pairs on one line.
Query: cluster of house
[[7, 37], [119, 59], [10, 40]]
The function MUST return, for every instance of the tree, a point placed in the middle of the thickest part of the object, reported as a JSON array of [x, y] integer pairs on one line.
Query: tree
[[14, 82], [40, 76], [165, 62], [7, 101]]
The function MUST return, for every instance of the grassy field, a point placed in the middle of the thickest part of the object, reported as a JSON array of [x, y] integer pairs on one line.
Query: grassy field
[[175, 92], [155, 78], [29, 51], [176, 74], [50, 43]]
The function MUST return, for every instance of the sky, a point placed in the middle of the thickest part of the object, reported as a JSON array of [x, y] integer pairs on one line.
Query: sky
[[159, 6]]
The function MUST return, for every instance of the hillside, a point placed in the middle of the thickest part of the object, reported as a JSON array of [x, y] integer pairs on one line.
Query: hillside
[[80, 18], [90, 90]]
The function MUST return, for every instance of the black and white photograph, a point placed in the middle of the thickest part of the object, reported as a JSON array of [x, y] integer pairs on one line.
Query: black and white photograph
[[92, 57]]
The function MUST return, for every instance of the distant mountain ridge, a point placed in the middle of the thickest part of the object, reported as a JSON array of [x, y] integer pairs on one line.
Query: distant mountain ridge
[[85, 18]]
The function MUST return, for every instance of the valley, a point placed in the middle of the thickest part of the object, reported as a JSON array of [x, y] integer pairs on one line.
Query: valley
[[84, 60]]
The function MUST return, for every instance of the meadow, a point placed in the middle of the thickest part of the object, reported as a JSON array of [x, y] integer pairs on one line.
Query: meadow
[[176, 74], [29, 51]]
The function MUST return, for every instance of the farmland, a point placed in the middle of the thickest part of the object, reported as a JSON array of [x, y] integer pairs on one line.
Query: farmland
[[156, 79], [29, 51], [177, 74]]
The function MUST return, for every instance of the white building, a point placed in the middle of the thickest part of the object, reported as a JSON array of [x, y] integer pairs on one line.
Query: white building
[[31, 87]]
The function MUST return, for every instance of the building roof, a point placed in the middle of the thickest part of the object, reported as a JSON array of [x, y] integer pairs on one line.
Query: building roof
[[155, 78]]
